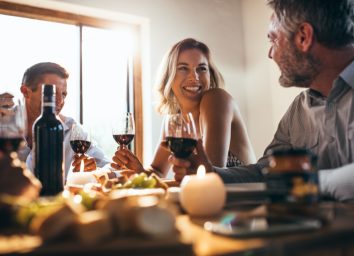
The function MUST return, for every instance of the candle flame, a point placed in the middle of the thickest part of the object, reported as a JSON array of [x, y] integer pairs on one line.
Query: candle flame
[[82, 166], [201, 171]]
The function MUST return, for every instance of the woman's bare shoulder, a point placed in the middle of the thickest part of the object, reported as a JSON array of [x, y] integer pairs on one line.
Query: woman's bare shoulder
[[216, 93], [216, 98]]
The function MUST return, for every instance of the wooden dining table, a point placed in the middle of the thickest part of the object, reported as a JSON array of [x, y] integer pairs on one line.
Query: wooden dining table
[[335, 237]]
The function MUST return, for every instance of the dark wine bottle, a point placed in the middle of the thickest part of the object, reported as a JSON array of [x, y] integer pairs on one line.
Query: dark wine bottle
[[48, 132]]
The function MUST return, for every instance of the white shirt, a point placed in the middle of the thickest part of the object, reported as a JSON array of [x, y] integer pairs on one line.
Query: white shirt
[[94, 151]]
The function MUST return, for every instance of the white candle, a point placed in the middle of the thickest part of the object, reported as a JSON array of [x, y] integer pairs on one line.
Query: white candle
[[81, 177], [203, 194]]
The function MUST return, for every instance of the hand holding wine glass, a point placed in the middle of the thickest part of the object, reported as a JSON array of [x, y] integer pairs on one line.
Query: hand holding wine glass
[[124, 158], [182, 166], [123, 131], [181, 134], [80, 142]]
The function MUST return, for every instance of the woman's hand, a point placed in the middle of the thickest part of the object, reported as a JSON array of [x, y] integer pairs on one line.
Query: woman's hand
[[124, 158], [89, 163], [183, 167]]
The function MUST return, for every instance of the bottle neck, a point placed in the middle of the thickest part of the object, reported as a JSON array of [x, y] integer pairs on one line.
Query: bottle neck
[[48, 106]]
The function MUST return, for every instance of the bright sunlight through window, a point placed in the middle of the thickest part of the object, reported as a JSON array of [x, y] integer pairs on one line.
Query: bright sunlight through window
[[105, 54]]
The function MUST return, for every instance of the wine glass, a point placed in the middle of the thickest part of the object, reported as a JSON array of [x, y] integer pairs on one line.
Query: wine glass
[[80, 140], [181, 134], [13, 125], [124, 130]]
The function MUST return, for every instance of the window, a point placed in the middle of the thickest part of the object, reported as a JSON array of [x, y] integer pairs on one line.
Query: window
[[97, 54]]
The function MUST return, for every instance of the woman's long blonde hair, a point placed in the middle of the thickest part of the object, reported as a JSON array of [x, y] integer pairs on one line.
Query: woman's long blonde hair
[[167, 100]]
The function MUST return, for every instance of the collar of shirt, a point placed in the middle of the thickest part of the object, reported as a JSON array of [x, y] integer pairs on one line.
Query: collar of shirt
[[340, 87], [67, 122], [348, 74], [342, 84], [315, 98]]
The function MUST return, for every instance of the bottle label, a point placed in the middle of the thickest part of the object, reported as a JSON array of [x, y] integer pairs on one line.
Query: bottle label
[[48, 104]]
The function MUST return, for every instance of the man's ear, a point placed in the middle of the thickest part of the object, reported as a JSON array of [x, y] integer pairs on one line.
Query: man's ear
[[25, 91], [304, 37]]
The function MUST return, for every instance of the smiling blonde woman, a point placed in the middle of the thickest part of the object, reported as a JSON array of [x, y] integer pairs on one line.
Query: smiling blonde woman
[[190, 83]]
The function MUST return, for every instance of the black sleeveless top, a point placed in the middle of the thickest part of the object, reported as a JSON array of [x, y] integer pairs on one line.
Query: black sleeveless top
[[232, 160]]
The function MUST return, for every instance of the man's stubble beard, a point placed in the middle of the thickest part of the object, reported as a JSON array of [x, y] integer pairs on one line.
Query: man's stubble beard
[[298, 69]]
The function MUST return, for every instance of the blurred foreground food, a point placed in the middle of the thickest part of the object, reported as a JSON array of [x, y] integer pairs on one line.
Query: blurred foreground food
[[96, 212], [17, 184]]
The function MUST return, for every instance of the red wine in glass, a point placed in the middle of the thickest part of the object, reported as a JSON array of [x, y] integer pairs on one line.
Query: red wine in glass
[[8, 145], [181, 147], [181, 135], [80, 146], [80, 139], [123, 139], [123, 129]]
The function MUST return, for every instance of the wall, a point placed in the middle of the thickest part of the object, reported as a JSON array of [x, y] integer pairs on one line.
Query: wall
[[266, 100]]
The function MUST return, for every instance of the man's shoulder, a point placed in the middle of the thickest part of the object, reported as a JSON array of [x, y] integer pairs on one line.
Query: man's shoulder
[[301, 98], [297, 106], [302, 95], [67, 120]]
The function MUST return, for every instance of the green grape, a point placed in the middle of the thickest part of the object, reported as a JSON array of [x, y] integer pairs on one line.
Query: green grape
[[153, 182], [25, 214], [118, 186], [138, 180], [128, 184], [149, 182], [88, 200], [145, 183], [143, 174]]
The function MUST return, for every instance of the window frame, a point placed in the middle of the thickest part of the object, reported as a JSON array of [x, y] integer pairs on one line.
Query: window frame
[[67, 17]]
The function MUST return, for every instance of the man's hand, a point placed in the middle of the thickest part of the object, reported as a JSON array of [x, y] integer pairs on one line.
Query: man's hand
[[89, 163], [182, 167]]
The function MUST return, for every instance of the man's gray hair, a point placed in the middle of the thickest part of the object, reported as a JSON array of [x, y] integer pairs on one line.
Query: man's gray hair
[[332, 20]]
